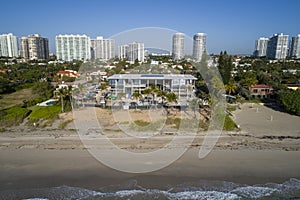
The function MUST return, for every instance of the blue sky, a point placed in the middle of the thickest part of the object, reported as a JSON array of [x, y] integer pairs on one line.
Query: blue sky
[[231, 25]]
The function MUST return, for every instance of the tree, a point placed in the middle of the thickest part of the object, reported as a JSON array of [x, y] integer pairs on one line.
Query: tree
[[65, 94], [291, 101], [250, 82], [147, 91], [225, 66], [153, 90], [43, 89], [162, 94], [170, 97], [230, 87], [136, 95]]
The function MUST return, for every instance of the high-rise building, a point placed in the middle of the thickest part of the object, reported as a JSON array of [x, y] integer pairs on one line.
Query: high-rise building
[[8, 45], [136, 51], [178, 46], [34, 47], [73, 47], [261, 47], [295, 47], [199, 46], [102, 48], [123, 51], [278, 46]]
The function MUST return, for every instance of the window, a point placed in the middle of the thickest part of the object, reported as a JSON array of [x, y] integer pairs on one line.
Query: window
[[136, 82], [121, 82]]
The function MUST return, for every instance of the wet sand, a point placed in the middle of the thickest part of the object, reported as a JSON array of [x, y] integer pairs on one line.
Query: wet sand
[[31, 168]]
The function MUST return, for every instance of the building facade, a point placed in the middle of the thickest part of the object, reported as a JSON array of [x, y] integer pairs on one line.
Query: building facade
[[103, 49], [136, 51], [34, 47], [261, 47], [278, 46], [8, 45], [73, 47], [126, 84], [123, 51], [178, 46], [199, 46], [295, 47], [261, 91]]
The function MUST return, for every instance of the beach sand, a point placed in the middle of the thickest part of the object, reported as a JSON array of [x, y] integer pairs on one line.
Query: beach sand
[[33, 168], [264, 151]]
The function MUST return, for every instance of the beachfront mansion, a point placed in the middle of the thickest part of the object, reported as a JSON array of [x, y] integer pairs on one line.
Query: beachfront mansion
[[126, 84]]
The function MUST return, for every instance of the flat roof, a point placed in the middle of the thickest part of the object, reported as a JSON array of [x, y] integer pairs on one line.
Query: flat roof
[[152, 76]]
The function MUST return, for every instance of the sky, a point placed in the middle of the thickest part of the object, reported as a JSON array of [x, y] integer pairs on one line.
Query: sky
[[231, 25]]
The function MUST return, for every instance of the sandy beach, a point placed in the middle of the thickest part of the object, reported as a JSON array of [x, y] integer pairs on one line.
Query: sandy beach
[[43, 168], [265, 150]]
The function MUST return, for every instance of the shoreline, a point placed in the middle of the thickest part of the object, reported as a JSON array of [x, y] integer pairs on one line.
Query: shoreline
[[265, 151], [28, 169]]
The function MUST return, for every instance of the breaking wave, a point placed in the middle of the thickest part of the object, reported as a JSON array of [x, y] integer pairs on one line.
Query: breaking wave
[[208, 190]]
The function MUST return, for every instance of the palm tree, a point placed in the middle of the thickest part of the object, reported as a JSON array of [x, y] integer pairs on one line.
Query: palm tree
[[136, 95], [162, 94], [230, 87], [147, 92], [250, 82], [63, 93], [151, 90], [154, 91], [171, 97]]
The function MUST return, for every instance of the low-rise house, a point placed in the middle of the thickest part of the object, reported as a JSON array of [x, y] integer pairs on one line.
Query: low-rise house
[[68, 73], [261, 91], [126, 84], [294, 86]]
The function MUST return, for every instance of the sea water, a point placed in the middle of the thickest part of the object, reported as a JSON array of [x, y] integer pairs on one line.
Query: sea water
[[206, 190]]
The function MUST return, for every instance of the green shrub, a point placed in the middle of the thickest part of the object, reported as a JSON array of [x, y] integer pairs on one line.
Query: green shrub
[[64, 124], [13, 116], [33, 102], [229, 124], [173, 121], [141, 123], [23, 86]]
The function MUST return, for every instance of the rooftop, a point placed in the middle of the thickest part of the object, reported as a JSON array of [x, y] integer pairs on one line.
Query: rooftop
[[153, 76], [261, 86]]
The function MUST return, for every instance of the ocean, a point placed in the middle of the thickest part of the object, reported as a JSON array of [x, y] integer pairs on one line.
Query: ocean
[[130, 190]]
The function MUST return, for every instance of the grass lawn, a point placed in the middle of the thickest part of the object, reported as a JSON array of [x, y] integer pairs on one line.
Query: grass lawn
[[16, 98], [44, 113]]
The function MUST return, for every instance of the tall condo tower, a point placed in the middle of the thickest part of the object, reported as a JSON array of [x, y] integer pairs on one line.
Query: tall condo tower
[[34, 47], [136, 51], [73, 47], [103, 49], [278, 46], [8, 45], [261, 47], [123, 51], [199, 46], [295, 47], [178, 46]]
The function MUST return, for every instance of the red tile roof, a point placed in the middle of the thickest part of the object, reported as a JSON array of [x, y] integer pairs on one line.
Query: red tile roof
[[261, 86]]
